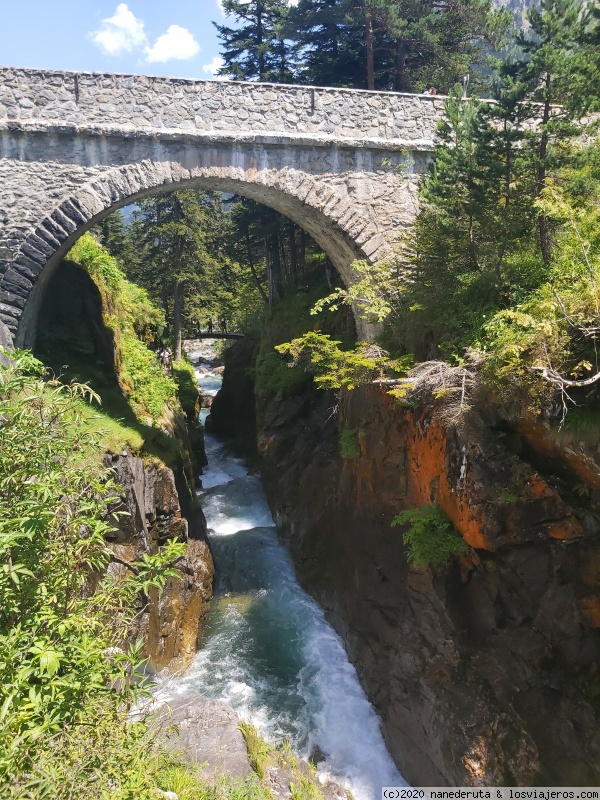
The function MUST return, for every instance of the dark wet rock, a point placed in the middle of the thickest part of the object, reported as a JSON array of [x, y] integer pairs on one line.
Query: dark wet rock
[[232, 411], [484, 672]]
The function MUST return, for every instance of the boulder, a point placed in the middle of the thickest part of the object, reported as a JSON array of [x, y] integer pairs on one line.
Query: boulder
[[205, 733]]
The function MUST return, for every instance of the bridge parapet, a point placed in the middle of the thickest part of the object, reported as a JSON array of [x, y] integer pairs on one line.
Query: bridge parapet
[[138, 102]]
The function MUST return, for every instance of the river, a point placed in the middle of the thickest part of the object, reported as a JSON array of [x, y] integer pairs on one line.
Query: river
[[269, 651]]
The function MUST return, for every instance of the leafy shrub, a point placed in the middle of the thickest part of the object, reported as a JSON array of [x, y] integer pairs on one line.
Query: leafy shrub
[[332, 367], [187, 387], [148, 389], [292, 318], [431, 538], [65, 689]]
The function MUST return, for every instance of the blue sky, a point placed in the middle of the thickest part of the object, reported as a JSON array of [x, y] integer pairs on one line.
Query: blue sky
[[154, 37]]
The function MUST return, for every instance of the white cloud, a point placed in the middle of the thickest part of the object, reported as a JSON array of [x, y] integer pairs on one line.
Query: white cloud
[[124, 33], [212, 68], [176, 43], [120, 33]]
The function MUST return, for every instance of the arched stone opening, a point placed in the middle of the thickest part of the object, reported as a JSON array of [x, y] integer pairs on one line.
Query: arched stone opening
[[275, 178]]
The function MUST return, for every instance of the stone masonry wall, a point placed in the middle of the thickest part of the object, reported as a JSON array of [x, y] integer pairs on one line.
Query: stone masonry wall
[[342, 164], [140, 101]]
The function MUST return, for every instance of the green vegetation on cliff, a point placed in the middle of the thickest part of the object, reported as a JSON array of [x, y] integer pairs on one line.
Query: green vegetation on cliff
[[291, 317], [497, 289], [67, 678], [99, 332], [431, 538]]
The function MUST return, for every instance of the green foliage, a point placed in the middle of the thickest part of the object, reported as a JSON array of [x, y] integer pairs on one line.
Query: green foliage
[[148, 389], [188, 784], [375, 292], [134, 319], [258, 48], [403, 46], [303, 781], [291, 317], [431, 537], [259, 751], [99, 264], [549, 328], [332, 367], [350, 443], [187, 387], [183, 247], [65, 689]]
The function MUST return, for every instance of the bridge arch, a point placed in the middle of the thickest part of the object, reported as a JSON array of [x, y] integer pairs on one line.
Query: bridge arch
[[326, 214], [342, 164]]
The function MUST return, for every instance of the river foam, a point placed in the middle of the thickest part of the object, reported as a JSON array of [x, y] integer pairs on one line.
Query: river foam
[[269, 651]]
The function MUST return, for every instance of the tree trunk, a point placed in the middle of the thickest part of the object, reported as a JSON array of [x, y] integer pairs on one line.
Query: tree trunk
[[370, 54], [329, 273], [285, 272], [178, 317], [302, 250], [400, 67], [543, 227], [259, 285], [179, 285], [276, 275], [259, 40], [293, 253]]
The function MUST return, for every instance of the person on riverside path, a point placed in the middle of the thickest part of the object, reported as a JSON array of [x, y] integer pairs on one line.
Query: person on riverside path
[[165, 359]]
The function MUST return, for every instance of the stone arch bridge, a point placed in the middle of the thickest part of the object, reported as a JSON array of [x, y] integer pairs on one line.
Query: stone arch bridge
[[341, 163]]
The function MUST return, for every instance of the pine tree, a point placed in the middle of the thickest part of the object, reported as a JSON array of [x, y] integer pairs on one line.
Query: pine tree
[[400, 45], [257, 48], [550, 71], [425, 43], [331, 45]]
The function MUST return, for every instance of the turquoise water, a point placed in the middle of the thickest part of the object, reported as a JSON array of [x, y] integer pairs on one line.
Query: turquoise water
[[269, 651]]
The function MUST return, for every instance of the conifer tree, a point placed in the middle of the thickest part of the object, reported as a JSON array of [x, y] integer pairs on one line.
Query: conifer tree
[[330, 44], [400, 45], [549, 71], [257, 47]]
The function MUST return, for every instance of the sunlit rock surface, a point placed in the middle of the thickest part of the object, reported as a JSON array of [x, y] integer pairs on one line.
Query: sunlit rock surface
[[172, 625]]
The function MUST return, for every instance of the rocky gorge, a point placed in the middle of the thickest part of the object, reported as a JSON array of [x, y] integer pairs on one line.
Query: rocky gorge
[[160, 506], [483, 671]]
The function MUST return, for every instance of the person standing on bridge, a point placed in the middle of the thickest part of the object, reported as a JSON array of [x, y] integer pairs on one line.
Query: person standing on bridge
[[209, 325], [223, 325]]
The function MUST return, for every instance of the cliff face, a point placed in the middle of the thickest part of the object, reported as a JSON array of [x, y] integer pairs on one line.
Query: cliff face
[[161, 506], [232, 410], [485, 671]]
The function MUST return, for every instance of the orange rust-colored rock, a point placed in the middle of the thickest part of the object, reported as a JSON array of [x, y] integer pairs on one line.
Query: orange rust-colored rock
[[575, 457], [590, 610], [569, 528], [429, 481], [471, 666]]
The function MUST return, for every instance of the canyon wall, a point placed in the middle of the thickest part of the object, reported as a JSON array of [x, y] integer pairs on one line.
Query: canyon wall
[[484, 671], [159, 506]]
